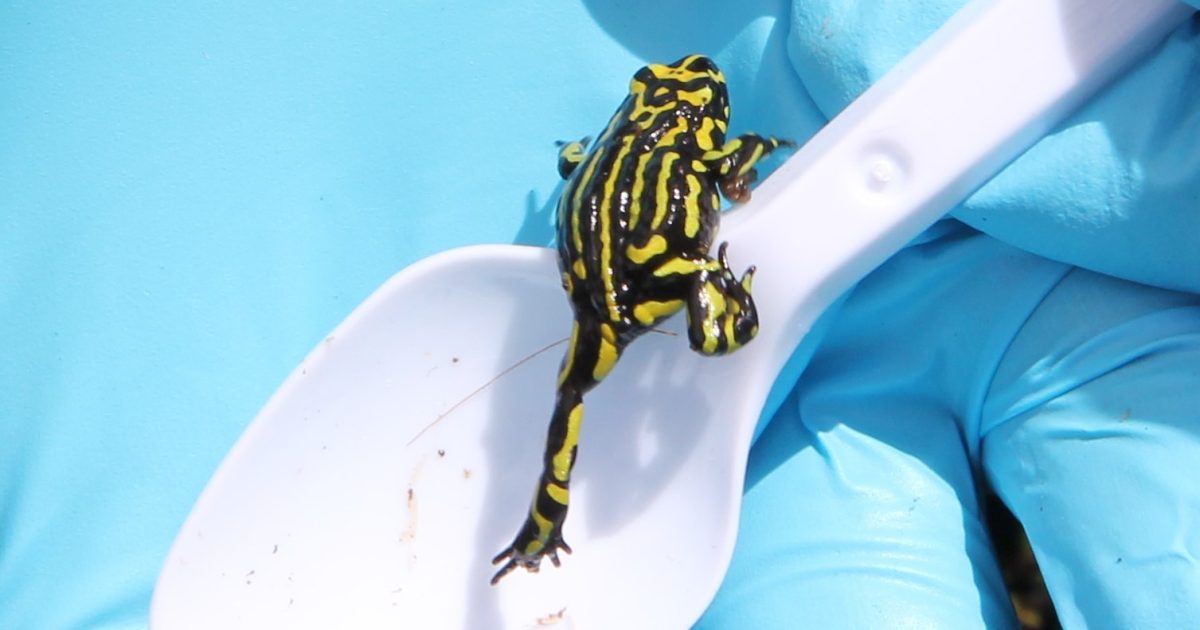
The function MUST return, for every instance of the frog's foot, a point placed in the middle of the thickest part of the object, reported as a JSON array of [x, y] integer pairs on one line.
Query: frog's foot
[[736, 188], [527, 554], [721, 313], [734, 163], [570, 155]]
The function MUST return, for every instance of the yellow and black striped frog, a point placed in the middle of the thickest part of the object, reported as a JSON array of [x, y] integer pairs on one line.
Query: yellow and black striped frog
[[636, 219]]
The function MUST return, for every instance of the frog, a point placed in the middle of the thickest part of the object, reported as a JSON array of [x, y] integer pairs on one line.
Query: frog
[[636, 218]]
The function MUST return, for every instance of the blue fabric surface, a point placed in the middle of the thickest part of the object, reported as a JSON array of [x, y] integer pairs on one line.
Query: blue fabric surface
[[193, 194]]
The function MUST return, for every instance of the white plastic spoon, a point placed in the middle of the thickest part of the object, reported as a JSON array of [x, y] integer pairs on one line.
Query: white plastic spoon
[[341, 507]]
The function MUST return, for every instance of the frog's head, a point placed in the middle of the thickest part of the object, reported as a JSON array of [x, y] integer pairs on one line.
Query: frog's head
[[694, 80]]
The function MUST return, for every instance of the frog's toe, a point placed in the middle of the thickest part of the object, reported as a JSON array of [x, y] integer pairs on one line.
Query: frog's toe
[[528, 557], [736, 188], [515, 559], [553, 551], [504, 570]]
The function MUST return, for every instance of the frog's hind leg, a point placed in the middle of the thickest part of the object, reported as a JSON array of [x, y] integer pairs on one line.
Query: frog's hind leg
[[721, 313], [541, 534], [734, 163], [594, 350], [570, 155]]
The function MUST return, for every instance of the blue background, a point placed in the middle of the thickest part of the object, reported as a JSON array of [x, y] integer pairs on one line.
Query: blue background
[[193, 194]]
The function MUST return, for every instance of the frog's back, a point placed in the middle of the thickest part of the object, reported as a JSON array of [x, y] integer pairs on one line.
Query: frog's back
[[644, 177]]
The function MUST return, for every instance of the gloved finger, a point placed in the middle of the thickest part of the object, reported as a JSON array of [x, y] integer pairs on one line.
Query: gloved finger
[[865, 523], [1093, 441], [1122, 170]]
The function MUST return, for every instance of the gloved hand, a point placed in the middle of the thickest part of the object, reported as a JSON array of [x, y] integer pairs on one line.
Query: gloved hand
[[967, 359]]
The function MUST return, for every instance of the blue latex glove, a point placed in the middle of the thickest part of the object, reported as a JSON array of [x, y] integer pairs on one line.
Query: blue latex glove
[[194, 195], [1074, 394]]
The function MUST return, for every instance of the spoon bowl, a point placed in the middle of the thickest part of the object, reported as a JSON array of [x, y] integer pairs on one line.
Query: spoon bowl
[[400, 456], [374, 500]]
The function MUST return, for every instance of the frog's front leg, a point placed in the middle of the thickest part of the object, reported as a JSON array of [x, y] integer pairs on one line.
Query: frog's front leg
[[570, 155], [734, 163], [721, 313], [593, 351]]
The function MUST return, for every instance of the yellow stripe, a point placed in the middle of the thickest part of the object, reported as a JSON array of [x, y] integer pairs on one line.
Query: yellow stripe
[[577, 199], [729, 149], [558, 493], [651, 311], [572, 152], [561, 461], [654, 110], [710, 340], [580, 269], [704, 137], [677, 73], [699, 98], [653, 247], [721, 124], [544, 525], [606, 357], [674, 132], [691, 207], [606, 222], [754, 156], [639, 185], [569, 359], [730, 340], [535, 546], [661, 198], [716, 299], [681, 265], [563, 211]]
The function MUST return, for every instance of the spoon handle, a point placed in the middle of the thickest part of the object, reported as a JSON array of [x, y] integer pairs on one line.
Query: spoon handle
[[970, 99]]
